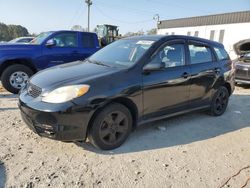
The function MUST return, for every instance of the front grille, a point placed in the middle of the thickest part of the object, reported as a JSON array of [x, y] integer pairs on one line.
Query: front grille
[[34, 91]]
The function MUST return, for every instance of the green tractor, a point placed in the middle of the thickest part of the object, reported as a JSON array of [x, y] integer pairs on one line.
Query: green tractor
[[107, 34]]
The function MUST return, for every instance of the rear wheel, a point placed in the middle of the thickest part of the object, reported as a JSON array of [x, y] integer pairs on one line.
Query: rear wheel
[[219, 102], [111, 127], [15, 77]]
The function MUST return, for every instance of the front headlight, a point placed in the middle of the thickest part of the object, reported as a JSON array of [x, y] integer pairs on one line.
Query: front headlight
[[66, 93]]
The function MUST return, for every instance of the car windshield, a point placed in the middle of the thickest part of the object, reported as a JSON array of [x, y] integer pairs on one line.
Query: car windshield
[[40, 38], [14, 40], [123, 53]]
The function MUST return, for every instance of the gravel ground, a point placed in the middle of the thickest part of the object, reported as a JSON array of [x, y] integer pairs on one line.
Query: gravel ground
[[193, 150]]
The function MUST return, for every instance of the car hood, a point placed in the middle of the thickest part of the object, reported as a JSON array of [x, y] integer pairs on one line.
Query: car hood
[[242, 47], [78, 72]]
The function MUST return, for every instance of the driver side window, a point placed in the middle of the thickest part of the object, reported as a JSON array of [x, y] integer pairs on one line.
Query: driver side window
[[172, 55], [66, 40]]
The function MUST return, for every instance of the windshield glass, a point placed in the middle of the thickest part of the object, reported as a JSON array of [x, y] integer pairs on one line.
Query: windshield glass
[[40, 38], [122, 53]]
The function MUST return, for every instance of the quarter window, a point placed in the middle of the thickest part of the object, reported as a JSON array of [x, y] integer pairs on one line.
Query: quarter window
[[221, 54], [200, 54], [66, 40]]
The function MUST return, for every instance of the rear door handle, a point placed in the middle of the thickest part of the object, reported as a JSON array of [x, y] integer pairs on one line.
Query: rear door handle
[[185, 75], [75, 52]]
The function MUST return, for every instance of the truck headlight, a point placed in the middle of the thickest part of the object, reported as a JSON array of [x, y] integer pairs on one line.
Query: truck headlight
[[64, 94]]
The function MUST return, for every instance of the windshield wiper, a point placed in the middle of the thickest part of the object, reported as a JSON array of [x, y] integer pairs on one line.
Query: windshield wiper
[[97, 63]]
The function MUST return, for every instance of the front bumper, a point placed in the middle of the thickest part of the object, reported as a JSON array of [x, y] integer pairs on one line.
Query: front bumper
[[241, 81], [63, 122], [242, 73]]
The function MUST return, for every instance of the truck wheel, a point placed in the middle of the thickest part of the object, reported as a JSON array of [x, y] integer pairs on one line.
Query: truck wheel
[[15, 77], [219, 102], [111, 127]]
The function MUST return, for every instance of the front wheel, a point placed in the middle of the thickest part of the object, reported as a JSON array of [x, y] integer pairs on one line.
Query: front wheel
[[219, 101], [15, 77], [111, 127]]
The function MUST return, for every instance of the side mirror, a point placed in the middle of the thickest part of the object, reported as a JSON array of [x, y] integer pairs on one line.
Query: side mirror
[[154, 67], [50, 43]]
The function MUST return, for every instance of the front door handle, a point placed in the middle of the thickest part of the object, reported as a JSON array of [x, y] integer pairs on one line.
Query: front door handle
[[185, 75]]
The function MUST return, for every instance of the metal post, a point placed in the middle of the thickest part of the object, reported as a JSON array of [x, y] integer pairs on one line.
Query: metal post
[[89, 3]]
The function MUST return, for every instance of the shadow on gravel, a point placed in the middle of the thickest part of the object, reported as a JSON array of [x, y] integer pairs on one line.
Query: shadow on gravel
[[2, 175], [244, 86], [184, 129], [8, 96], [3, 109]]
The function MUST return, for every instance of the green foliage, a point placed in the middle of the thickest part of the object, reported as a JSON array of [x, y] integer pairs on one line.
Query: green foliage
[[152, 32], [9, 32]]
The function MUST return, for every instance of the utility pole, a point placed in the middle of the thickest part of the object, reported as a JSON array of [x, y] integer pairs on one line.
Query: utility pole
[[89, 3]]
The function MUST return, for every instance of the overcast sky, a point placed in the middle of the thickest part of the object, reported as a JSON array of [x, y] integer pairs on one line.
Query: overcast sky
[[129, 15]]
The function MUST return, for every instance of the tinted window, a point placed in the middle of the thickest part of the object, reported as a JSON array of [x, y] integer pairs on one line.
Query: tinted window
[[199, 54], [88, 41], [221, 53], [66, 40], [172, 55]]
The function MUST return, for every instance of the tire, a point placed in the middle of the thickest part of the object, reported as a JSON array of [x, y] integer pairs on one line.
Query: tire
[[15, 71], [110, 127], [219, 102]]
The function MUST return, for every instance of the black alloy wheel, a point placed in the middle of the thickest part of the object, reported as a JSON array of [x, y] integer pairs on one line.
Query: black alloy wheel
[[111, 127]]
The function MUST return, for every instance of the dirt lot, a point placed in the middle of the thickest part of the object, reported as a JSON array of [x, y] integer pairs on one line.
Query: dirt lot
[[193, 150]]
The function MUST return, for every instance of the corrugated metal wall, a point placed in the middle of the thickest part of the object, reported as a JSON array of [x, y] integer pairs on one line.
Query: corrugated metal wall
[[218, 19]]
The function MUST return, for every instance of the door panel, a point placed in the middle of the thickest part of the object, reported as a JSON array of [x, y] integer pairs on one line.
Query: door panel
[[167, 90], [66, 49], [203, 78], [205, 70]]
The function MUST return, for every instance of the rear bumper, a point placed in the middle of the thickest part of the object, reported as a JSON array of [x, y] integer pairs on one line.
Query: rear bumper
[[65, 124]]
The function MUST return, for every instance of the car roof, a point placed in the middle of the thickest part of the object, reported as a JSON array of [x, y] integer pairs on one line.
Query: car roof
[[159, 37]]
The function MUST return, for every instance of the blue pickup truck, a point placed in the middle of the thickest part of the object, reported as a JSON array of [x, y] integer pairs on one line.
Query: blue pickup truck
[[18, 62]]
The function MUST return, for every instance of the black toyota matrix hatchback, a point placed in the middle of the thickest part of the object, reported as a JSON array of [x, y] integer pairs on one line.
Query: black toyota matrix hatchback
[[126, 84]]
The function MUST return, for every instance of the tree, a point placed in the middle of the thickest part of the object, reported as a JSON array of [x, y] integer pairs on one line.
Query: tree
[[4, 32], [138, 33], [152, 31], [9, 32], [77, 28], [16, 31]]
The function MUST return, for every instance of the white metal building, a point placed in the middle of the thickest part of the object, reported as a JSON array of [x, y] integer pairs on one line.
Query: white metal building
[[228, 28]]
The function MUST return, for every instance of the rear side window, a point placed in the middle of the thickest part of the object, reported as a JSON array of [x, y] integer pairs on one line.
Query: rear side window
[[221, 53], [88, 41], [200, 54]]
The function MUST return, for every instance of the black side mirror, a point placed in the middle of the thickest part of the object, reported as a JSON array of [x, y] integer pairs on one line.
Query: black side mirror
[[50, 43], [154, 67]]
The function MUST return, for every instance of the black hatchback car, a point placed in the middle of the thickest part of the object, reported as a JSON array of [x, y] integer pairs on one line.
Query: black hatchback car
[[126, 84]]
